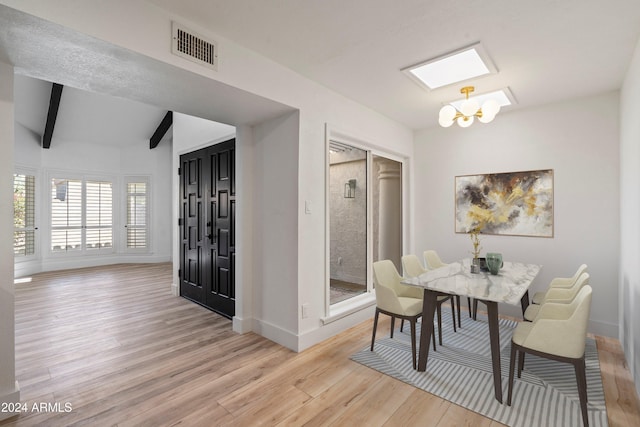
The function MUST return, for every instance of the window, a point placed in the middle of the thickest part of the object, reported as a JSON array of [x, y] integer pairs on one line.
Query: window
[[81, 215], [24, 197], [137, 215]]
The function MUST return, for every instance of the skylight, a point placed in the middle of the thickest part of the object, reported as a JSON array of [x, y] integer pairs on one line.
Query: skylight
[[452, 68]]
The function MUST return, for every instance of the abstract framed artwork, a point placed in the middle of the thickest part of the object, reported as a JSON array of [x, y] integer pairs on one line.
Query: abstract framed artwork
[[513, 203]]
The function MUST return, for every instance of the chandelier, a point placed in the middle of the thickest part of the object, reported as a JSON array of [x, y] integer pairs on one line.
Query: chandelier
[[469, 109]]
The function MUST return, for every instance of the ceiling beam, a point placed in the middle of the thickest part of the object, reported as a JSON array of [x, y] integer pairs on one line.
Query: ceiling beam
[[163, 127], [52, 115]]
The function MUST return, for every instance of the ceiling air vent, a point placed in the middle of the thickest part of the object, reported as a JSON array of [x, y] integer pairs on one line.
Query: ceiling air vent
[[193, 47]]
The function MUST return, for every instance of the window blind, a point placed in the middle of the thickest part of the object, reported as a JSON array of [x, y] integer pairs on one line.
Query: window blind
[[24, 197], [136, 215]]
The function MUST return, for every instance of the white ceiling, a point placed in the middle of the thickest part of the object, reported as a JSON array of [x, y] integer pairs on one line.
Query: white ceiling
[[545, 51]]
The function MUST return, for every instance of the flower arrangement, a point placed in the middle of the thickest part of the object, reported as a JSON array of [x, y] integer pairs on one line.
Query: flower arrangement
[[475, 241]]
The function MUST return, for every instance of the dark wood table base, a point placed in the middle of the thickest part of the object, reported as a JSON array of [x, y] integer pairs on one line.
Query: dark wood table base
[[428, 311]]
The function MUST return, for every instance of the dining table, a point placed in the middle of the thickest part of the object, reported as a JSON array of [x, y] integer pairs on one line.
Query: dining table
[[509, 286]]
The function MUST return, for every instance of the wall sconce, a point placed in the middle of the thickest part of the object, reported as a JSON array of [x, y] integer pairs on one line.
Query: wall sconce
[[350, 189]]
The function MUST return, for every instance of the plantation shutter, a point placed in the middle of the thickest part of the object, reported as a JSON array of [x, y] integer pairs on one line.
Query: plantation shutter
[[24, 200], [66, 215], [99, 214], [136, 215]]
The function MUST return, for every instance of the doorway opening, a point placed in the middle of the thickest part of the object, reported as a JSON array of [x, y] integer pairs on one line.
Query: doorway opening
[[207, 227], [365, 217], [348, 189]]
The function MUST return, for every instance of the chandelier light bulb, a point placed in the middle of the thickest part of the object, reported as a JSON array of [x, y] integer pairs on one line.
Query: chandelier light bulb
[[489, 110], [464, 121], [491, 107], [445, 123], [469, 110], [447, 116], [469, 107]]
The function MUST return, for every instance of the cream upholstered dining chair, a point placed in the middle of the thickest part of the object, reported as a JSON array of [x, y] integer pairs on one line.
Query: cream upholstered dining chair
[[557, 296], [558, 333], [433, 261], [396, 300], [559, 282], [413, 268]]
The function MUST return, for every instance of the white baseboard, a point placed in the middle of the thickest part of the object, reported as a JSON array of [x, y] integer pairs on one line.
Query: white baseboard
[[22, 269], [328, 330], [605, 329], [13, 397], [308, 339], [242, 326], [276, 334]]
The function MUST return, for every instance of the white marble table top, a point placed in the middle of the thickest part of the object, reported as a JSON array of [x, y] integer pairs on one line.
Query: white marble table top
[[508, 286]]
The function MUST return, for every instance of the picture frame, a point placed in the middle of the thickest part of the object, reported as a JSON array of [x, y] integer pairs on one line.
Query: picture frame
[[511, 203]]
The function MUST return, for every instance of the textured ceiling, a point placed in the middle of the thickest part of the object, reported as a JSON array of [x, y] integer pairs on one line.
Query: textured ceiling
[[111, 94], [545, 50]]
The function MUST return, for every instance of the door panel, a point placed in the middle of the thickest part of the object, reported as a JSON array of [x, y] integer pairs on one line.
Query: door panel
[[207, 227], [191, 283]]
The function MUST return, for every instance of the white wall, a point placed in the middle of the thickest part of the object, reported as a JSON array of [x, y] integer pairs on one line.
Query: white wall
[[629, 293], [117, 161], [578, 139], [299, 251], [275, 229]]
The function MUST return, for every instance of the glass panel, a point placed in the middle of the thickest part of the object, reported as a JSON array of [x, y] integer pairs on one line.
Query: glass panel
[[347, 221]]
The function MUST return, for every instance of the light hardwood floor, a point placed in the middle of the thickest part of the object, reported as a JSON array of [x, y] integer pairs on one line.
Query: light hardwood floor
[[116, 346]]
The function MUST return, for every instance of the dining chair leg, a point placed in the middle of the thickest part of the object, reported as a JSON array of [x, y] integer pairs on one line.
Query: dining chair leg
[[433, 337], [512, 359], [475, 309], [439, 313], [413, 342], [401, 324], [581, 378], [375, 326], [459, 319], [520, 363], [453, 313], [393, 321], [469, 304]]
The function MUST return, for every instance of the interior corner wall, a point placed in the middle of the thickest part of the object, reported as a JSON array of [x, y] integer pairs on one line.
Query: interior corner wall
[[275, 229], [629, 286], [579, 140], [9, 391]]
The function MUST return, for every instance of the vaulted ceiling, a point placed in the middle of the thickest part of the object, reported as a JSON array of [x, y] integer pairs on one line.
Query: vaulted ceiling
[[83, 115]]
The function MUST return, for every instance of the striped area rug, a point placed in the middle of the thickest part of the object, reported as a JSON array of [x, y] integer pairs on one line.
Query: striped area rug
[[460, 371]]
